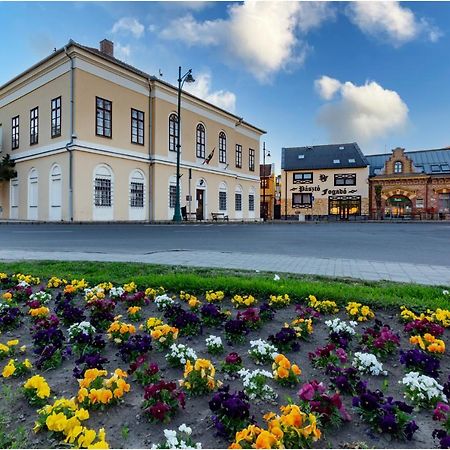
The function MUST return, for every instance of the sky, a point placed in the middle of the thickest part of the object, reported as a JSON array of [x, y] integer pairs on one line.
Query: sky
[[309, 73]]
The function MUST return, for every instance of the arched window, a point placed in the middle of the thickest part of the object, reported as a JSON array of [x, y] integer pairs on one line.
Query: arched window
[[200, 141], [103, 186], [173, 132], [137, 189], [223, 197], [398, 167], [222, 147]]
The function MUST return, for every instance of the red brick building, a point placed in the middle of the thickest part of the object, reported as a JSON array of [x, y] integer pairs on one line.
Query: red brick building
[[410, 184]]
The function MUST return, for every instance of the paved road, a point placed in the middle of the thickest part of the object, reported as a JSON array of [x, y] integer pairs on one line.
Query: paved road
[[400, 252]]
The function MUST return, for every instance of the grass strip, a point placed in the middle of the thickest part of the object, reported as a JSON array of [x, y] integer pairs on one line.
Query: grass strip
[[198, 280]]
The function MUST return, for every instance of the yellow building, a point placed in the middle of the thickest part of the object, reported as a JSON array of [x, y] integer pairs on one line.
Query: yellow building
[[267, 190], [94, 139], [324, 180]]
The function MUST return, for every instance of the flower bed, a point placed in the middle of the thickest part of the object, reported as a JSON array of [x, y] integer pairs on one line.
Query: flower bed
[[218, 370]]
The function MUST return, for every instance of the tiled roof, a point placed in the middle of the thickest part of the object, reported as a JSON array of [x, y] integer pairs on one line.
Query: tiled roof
[[425, 161], [333, 156]]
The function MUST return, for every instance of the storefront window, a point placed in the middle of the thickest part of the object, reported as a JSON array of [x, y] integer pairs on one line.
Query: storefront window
[[398, 206], [344, 205]]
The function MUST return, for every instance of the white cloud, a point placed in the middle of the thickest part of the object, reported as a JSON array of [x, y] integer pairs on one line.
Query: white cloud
[[191, 32], [363, 113], [122, 52], [202, 89], [261, 35], [390, 21], [129, 25], [327, 87]]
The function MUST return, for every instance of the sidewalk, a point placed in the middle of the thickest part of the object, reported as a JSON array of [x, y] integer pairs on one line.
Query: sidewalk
[[329, 267]]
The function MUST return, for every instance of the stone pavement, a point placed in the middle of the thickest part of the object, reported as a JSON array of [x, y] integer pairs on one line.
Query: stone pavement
[[329, 267]]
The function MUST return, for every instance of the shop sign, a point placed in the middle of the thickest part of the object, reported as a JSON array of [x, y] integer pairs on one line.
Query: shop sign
[[342, 191]]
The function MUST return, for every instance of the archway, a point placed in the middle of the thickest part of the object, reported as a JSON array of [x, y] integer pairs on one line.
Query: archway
[[398, 206]]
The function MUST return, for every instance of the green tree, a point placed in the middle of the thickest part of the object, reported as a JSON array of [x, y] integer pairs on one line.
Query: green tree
[[7, 168]]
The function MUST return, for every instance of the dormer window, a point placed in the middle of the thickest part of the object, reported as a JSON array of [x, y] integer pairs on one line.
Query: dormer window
[[336, 161], [352, 160], [301, 156], [398, 167]]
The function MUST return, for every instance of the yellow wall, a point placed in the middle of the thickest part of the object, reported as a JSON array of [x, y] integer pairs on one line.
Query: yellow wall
[[40, 97], [87, 88], [95, 77]]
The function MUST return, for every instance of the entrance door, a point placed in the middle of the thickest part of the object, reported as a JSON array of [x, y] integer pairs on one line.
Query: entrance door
[[344, 211], [200, 194]]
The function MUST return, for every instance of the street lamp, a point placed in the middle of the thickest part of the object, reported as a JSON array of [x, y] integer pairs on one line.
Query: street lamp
[[188, 78], [264, 180]]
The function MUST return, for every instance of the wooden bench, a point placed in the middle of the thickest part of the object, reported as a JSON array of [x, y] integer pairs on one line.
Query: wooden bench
[[218, 215]]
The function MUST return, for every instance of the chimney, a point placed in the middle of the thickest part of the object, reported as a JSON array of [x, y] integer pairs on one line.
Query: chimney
[[107, 47]]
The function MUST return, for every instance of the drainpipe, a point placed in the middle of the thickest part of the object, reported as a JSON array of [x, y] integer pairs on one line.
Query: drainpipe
[[150, 143], [72, 132]]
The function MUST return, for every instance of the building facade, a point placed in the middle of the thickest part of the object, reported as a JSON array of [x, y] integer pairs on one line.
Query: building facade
[[94, 139], [267, 190], [324, 180], [412, 185]]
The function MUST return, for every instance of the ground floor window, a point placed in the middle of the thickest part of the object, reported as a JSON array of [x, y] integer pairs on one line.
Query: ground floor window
[[344, 205], [102, 188], [251, 202], [444, 201], [137, 195], [222, 201], [238, 201], [301, 200]]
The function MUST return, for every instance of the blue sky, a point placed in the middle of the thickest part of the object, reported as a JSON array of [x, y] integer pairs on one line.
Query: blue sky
[[308, 73]]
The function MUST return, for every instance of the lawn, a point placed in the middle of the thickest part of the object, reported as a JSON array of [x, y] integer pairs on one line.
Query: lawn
[[294, 362]]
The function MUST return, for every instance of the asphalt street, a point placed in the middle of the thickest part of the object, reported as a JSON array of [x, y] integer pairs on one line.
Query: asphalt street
[[416, 243]]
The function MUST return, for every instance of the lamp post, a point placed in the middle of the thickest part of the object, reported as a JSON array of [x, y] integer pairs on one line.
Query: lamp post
[[264, 180], [188, 78]]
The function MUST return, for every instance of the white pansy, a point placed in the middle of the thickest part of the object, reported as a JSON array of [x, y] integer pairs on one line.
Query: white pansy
[[255, 384], [368, 363], [341, 326], [163, 301], [41, 297], [116, 292], [81, 328], [422, 388], [23, 284], [179, 354], [183, 428], [261, 351]]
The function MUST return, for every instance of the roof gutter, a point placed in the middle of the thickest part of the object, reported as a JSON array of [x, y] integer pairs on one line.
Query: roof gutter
[[72, 131]]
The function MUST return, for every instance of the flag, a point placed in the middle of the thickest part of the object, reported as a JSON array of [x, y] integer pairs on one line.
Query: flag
[[209, 158]]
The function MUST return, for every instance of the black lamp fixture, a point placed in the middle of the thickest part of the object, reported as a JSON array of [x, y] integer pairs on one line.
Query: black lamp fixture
[[186, 78]]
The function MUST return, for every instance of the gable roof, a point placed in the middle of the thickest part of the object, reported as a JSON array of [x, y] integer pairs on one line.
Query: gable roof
[[430, 162], [332, 156]]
